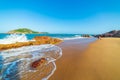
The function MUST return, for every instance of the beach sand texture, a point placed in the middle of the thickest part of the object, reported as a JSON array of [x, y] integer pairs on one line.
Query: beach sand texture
[[99, 61]]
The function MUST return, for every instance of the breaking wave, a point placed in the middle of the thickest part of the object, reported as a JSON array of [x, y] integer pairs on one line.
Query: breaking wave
[[13, 38], [74, 37], [15, 64]]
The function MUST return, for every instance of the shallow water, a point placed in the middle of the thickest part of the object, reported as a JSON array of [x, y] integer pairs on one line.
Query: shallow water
[[15, 64]]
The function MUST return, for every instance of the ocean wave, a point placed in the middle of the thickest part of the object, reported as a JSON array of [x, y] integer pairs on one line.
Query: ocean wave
[[13, 38], [71, 38], [16, 64]]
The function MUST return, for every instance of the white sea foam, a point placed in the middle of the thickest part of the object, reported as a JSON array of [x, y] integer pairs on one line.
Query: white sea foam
[[75, 37], [13, 38], [15, 63]]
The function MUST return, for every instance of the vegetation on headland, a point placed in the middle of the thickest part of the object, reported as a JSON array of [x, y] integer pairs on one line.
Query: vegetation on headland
[[25, 31], [38, 40], [114, 33]]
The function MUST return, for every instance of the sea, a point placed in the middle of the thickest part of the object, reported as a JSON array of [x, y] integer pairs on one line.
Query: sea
[[61, 36], [12, 38]]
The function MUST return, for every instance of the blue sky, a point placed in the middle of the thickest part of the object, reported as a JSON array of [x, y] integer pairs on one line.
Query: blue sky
[[60, 16]]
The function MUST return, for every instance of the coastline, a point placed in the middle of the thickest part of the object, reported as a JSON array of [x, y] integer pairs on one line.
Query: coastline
[[66, 43], [98, 61], [86, 59], [68, 65]]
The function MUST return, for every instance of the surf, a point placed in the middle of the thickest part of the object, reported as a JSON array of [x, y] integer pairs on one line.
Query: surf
[[27, 62]]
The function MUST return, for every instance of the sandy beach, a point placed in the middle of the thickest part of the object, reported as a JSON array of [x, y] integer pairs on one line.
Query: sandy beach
[[89, 60]]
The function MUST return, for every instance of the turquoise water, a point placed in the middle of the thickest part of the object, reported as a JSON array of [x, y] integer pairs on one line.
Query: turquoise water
[[62, 36]]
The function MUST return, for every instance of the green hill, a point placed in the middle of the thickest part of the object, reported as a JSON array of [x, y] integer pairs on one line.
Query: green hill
[[25, 31]]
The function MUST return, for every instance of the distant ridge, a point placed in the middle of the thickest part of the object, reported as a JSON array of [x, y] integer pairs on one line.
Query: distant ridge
[[25, 31]]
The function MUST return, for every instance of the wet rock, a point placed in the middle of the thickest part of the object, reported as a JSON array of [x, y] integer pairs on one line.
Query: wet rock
[[47, 40], [38, 40], [37, 63]]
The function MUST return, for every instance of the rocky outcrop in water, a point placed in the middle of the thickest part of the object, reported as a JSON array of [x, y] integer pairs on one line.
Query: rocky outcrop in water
[[47, 40], [85, 35], [38, 40]]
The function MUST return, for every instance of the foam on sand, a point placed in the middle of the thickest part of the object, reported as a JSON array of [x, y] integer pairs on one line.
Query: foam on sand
[[16, 63]]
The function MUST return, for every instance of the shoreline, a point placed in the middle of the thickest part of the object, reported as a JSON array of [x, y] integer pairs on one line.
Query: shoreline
[[97, 61], [68, 64]]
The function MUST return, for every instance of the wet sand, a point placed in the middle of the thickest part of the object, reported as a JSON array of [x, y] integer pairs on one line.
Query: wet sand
[[89, 60], [69, 64]]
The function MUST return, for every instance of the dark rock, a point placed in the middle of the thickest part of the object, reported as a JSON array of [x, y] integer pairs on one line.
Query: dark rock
[[114, 33]]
